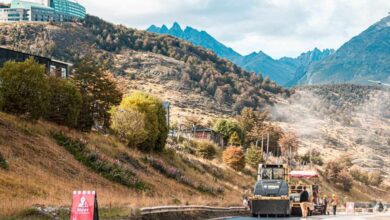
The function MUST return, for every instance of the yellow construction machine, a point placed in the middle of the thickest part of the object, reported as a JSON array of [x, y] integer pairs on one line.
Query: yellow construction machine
[[271, 191], [297, 181]]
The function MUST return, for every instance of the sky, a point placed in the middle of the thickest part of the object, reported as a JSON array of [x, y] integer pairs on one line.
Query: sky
[[276, 27]]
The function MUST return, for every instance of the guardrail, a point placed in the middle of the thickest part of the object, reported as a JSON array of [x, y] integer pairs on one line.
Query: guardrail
[[165, 209]]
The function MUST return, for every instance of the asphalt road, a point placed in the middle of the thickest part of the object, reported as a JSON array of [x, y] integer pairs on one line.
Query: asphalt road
[[380, 216]]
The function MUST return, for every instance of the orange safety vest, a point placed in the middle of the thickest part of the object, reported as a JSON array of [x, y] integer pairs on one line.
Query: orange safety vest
[[334, 201]]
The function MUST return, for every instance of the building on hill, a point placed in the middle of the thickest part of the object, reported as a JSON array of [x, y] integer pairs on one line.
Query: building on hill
[[43, 11], [201, 133], [53, 67]]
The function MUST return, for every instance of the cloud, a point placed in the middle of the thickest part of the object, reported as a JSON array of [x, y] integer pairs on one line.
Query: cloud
[[277, 27]]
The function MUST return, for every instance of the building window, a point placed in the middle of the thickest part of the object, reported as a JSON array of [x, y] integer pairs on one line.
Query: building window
[[63, 73]]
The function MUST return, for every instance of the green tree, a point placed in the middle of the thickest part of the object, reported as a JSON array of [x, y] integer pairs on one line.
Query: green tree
[[129, 124], [227, 127], [24, 89], [155, 125], [254, 156], [99, 93], [234, 139], [64, 102]]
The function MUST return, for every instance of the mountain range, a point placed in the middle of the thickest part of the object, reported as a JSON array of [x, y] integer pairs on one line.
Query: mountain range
[[282, 71], [364, 57]]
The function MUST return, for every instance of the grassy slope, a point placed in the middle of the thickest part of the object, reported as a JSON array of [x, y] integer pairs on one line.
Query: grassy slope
[[42, 172]]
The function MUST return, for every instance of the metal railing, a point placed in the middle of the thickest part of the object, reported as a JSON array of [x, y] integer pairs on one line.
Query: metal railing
[[165, 209]]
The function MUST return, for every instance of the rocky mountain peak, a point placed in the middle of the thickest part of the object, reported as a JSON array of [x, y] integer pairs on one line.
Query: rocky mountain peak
[[176, 27]]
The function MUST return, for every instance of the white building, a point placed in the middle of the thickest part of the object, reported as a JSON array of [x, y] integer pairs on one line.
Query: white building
[[42, 10]]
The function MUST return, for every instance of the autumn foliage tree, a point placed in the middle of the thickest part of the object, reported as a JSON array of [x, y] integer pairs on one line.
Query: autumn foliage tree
[[253, 124], [234, 157], [288, 143]]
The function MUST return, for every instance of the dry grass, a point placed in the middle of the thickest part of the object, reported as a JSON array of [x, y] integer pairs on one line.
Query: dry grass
[[41, 172]]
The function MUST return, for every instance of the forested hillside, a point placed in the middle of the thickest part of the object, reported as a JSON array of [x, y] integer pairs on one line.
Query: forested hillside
[[201, 72]]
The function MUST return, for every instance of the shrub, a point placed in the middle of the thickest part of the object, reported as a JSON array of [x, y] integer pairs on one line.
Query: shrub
[[206, 149], [186, 146], [3, 162], [129, 124], [64, 102], [315, 158], [332, 170], [254, 156], [234, 157], [155, 126], [345, 179], [178, 175], [337, 172], [107, 169], [360, 175], [24, 89], [375, 178]]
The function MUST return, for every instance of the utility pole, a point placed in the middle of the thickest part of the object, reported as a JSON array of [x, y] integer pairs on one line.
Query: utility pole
[[267, 144], [262, 143]]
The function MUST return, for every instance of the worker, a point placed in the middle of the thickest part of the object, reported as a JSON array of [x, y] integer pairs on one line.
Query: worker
[[325, 203], [304, 199], [334, 203], [245, 203]]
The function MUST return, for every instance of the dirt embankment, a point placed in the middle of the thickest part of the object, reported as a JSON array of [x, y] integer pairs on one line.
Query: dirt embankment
[[43, 172]]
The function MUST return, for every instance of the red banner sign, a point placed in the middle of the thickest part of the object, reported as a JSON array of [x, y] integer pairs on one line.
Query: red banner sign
[[84, 206]]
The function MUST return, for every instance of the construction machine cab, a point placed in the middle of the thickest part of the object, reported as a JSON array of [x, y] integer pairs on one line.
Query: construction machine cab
[[271, 180]]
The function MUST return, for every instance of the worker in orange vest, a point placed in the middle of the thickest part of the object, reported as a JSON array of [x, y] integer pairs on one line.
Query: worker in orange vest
[[334, 203]]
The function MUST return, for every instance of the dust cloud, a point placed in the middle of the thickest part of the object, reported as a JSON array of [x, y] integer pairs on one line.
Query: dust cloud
[[337, 120]]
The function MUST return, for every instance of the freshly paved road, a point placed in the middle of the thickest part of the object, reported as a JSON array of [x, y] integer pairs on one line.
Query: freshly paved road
[[380, 216]]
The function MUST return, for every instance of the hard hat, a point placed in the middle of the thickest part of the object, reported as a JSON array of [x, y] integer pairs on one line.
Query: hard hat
[[333, 195]]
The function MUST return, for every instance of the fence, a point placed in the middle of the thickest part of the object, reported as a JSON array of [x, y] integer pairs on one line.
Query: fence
[[165, 209]]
